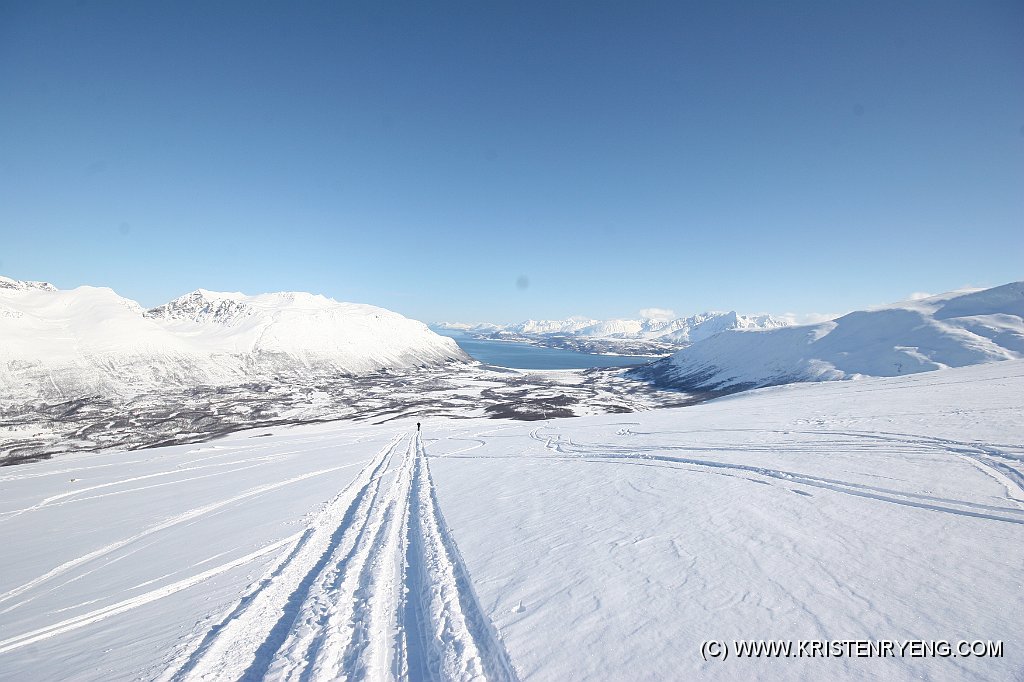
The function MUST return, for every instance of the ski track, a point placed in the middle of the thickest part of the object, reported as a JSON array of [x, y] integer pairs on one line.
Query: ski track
[[61, 498], [980, 456], [70, 624], [374, 589], [168, 523]]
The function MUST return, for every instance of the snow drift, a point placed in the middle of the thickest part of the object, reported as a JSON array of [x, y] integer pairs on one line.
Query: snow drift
[[90, 340], [949, 330]]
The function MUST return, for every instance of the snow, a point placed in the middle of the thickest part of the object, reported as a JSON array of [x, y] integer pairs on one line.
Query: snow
[[950, 330], [19, 285], [650, 336], [604, 547], [676, 331], [90, 340]]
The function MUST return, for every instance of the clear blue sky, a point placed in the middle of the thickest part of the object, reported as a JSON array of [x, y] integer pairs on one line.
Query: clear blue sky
[[434, 157]]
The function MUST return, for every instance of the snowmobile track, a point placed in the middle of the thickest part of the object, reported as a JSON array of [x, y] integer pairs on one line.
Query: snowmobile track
[[374, 589]]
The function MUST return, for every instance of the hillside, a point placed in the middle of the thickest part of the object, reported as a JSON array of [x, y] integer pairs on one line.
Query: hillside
[[597, 548], [88, 340], [950, 330]]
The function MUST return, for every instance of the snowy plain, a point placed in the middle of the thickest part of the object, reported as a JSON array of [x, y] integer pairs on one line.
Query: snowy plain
[[596, 548]]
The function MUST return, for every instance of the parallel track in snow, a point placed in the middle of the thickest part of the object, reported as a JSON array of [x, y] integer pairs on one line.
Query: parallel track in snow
[[993, 462], [374, 589]]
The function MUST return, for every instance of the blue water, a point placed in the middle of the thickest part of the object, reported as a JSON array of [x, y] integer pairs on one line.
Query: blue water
[[525, 356]]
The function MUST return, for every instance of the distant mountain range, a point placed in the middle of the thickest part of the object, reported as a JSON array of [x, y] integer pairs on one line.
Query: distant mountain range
[[949, 330], [88, 341], [654, 337]]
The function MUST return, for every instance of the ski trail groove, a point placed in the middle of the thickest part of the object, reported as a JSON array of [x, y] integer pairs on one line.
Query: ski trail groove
[[1001, 473], [453, 639], [168, 523], [231, 647], [70, 624], [374, 589]]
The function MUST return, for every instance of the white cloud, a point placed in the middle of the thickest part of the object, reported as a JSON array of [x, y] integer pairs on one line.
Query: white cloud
[[918, 295], [657, 314]]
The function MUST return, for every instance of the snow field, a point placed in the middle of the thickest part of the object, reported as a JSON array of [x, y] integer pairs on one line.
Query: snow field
[[373, 590], [596, 548]]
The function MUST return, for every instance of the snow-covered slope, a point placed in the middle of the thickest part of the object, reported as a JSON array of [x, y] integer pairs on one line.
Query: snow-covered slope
[[90, 340], [949, 330], [597, 548], [653, 334], [312, 329]]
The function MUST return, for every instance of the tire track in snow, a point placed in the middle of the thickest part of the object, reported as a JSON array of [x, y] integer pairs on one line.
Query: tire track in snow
[[384, 594]]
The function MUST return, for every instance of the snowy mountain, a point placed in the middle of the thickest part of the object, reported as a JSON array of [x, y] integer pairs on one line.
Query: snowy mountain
[[950, 330], [314, 329], [640, 336], [18, 285], [90, 340]]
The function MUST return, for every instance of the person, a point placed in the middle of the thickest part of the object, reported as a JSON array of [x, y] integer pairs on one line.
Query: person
[[417, 426]]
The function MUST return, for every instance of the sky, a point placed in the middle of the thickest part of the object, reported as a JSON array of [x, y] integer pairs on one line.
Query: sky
[[498, 161]]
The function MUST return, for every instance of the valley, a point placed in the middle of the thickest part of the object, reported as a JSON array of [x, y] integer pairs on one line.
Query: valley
[[38, 429]]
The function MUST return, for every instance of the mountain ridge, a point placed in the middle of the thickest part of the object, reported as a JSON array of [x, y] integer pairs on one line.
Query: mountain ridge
[[954, 329], [643, 336], [89, 340]]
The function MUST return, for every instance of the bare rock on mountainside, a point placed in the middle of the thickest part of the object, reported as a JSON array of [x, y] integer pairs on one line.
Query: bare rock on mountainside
[[19, 285]]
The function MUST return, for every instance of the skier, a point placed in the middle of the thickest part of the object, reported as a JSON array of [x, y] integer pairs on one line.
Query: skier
[[417, 426]]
